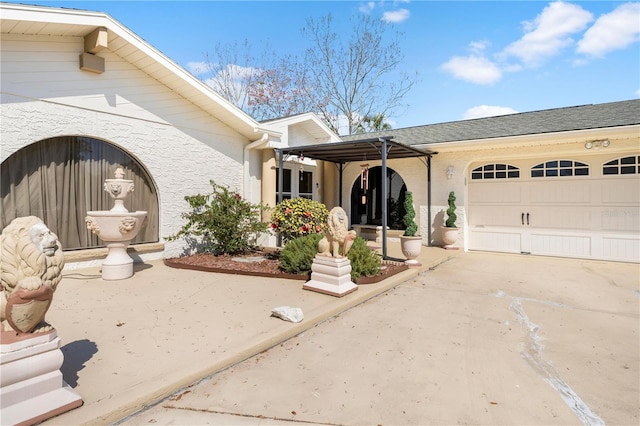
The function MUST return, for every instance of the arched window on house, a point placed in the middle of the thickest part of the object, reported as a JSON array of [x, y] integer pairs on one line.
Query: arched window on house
[[59, 179]]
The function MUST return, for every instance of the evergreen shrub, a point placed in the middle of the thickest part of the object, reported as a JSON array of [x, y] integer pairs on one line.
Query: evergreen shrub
[[297, 255], [364, 261], [221, 222]]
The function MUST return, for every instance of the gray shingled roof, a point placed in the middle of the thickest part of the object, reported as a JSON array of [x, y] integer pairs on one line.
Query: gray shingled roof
[[584, 117]]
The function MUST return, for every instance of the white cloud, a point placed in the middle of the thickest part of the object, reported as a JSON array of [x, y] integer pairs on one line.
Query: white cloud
[[197, 68], [474, 69], [481, 111], [396, 16], [549, 33], [367, 7], [478, 46], [612, 31]]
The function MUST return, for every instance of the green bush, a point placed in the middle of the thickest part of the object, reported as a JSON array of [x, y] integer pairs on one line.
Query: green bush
[[297, 217], [221, 222], [410, 215], [297, 255], [451, 211], [364, 261]]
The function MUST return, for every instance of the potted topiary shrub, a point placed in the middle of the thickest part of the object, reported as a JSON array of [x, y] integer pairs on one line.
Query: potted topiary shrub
[[449, 230], [410, 243]]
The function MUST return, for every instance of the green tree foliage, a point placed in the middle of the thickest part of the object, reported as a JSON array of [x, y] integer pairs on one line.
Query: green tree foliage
[[222, 222], [373, 123]]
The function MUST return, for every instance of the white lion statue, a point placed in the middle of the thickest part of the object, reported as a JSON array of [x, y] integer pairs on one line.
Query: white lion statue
[[337, 235], [31, 267]]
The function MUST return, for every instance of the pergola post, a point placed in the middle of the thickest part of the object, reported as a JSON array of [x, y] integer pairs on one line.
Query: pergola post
[[429, 200], [384, 195]]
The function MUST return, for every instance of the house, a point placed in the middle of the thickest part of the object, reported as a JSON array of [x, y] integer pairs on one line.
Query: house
[[558, 182], [81, 94]]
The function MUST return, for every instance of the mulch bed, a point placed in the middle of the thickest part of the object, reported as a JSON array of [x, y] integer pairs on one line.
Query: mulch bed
[[252, 264]]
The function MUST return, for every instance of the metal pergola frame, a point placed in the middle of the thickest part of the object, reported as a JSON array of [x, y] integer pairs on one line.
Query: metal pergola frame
[[342, 153]]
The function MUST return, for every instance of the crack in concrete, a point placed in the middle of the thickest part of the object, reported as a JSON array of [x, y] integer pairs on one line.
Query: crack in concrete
[[252, 416], [532, 353]]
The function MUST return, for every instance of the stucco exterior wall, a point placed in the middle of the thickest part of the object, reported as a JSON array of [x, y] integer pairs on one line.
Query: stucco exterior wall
[[179, 163]]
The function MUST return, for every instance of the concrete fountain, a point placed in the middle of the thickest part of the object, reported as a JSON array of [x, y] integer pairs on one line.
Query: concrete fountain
[[117, 227]]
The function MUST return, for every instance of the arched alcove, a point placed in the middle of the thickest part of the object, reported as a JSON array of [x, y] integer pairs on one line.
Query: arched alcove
[[366, 204], [59, 179]]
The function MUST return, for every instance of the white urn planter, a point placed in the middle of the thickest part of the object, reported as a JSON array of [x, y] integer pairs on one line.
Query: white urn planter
[[449, 236], [411, 248]]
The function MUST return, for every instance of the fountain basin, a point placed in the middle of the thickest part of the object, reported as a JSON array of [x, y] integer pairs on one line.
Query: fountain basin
[[116, 230]]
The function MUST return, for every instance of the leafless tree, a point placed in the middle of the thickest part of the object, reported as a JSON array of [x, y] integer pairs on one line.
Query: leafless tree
[[348, 82], [356, 75]]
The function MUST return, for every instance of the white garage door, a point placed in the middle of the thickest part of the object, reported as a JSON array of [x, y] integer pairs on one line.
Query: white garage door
[[557, 207]]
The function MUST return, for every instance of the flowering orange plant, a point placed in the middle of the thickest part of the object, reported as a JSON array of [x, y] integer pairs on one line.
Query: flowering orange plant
[[296, 217]]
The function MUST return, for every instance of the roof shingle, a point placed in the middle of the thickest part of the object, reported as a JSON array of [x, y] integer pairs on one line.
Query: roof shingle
[[584, 117]]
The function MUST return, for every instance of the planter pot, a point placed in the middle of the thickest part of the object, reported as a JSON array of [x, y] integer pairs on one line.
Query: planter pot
[[449, 236], [411, 248]]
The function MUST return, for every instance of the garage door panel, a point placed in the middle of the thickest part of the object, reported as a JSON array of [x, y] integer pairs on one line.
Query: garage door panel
[[617, 248], [495, 216], [561, 192], [621, 219], [495, 240], [561, 218], [619, 191], [495, 193], [560, 245]]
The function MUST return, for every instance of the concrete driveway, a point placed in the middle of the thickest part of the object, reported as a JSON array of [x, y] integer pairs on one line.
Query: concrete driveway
[[481, 339]]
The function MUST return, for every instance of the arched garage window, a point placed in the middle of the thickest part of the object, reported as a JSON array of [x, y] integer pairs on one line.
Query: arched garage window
[[60, 179], [622, 166], [560, 168], [495, 171]]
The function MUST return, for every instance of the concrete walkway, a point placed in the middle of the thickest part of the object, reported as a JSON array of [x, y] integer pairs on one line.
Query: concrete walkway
[[132, 343], [481, 339]]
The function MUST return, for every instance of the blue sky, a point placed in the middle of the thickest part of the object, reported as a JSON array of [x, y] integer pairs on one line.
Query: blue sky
[[473, 58]]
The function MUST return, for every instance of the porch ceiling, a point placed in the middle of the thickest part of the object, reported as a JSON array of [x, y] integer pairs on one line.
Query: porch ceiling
[[358, 150]]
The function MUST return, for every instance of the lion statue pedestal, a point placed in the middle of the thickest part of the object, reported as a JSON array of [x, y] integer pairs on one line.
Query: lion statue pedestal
[[331, 276], [31, 385], [33, 389], [331, 269]]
